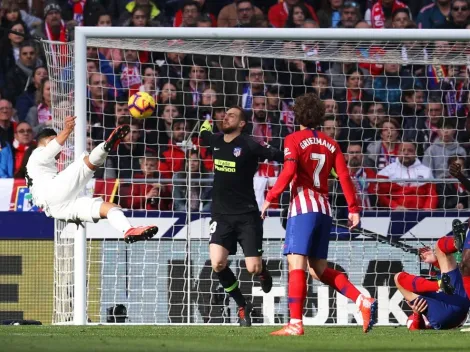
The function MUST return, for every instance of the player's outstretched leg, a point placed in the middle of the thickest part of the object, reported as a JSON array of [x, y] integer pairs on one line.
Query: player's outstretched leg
[[118, 220], [229, 282], [340, 282], [116, 137]]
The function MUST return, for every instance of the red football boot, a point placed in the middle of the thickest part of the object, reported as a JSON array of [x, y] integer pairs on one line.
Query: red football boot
[[116, 137], [368, 308], [140, 233], [296, 329]]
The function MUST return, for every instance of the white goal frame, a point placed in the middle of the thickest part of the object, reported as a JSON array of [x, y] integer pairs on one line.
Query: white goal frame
[[272, 34]]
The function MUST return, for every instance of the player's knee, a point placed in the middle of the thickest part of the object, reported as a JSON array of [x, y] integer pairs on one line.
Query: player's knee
[[396, 278], [254, 269], [218, 266]]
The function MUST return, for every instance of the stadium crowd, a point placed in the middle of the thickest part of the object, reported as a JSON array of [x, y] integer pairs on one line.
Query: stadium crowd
[[392, 121]]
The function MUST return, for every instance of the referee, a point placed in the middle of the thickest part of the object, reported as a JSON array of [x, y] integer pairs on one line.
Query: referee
[[235, 213]]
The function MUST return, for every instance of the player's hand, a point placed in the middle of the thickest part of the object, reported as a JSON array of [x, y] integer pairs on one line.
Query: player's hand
[[427, 255], [206, 126], [265, 207], [69, 123], [153, 193], [354, 220], [419, 305], [455, 170]]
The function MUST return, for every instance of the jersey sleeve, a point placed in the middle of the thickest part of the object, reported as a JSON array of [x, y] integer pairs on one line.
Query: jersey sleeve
[[346, 183], [264, 152], [206, 138], [288, 172], [51, 150]]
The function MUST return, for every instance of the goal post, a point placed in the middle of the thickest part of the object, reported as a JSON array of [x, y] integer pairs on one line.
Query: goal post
[[311, 45]]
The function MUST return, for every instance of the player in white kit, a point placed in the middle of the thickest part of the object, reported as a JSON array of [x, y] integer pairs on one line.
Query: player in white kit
[[58, 194]]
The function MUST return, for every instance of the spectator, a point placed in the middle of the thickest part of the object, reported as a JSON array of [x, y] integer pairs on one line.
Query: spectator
[[401, 18], [209, 99], [320, 86], [298, 15], [330, 16], [380, 15], [124, 160], [452, 195], [204, 21], [265, 126], [275, 101], [140, 17], [195, 85], [357, 127], [156, 15], [10, 48], [149, 196], [350, 14], [13, 13], [354, 88], [161, 136], [279, 13], [241, 13], [375, 113], [54, 27], [331, 107], [27, 99], [131, 78], [18, 78], [413, 106], [434, 15], [333, 129], [103, 19], [459, 15], [338, 74], [12, 155], [199, 193], [438, 153], [407, 195], [181, 18], [173, 65], [40, 116], [168, 94], [7, 123], [218, 114], [254, 85], [98, 98], [150, 74], [385, 151], [360, 175], [388, 87]]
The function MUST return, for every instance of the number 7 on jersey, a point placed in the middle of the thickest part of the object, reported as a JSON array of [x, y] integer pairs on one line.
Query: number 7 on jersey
[[320, 158]]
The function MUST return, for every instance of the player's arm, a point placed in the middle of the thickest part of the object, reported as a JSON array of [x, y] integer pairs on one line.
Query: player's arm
[[348, 188], [267, 152], [205, 132], [286, 176], [456, 171], [54, 146]]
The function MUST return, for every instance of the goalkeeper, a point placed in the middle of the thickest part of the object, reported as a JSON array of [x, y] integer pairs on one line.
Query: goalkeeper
[[235, 213], [58, 193]]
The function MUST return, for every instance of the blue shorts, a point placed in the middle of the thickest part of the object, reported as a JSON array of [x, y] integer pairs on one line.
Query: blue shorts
[[308, 234], [448, 311]]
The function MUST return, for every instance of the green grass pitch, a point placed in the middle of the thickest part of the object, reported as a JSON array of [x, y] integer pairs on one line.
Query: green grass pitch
[[224, 339]]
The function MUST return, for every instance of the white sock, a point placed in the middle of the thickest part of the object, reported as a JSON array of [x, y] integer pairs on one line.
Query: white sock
[[295, 321], [118, 220], [359, 300], [98, 156]]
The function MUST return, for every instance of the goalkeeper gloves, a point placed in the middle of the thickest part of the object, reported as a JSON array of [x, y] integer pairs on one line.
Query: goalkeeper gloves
[[206, 126]]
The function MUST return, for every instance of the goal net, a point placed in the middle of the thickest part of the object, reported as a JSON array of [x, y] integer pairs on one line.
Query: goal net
[[376, 93]]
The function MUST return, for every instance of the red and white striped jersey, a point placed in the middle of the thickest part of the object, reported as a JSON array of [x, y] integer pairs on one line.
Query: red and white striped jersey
[[309, 157]]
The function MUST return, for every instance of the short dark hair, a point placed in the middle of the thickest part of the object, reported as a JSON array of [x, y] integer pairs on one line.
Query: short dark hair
[[237, 2], [309, 110], [45, 133], [243, 116], [401, 10], [331, 117], [190, 3], [410, 141]]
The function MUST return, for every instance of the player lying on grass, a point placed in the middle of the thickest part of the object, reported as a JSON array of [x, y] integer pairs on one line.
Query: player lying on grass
[[442, 310], [309, 157], [58, 194], [235, 213]]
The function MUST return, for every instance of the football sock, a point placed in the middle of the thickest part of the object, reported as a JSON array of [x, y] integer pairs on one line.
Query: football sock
[[98, 155], [340, 283], [230, 284], [466, 284], [417, 284], [118, 220], [297, 292], [446, 244]]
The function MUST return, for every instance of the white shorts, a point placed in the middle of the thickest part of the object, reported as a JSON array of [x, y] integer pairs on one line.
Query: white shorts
[[62, 197]]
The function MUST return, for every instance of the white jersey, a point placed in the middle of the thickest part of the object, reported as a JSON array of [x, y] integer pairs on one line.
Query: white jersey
[[41, 170]]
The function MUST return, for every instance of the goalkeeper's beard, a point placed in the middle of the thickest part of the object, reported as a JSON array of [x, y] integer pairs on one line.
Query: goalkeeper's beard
[[228, 129]]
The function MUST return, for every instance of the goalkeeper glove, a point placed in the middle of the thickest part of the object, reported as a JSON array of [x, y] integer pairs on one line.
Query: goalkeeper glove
[[333, 173], [206, 126]]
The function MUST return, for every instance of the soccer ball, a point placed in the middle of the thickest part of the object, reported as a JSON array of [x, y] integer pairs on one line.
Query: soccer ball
[[141, 105]]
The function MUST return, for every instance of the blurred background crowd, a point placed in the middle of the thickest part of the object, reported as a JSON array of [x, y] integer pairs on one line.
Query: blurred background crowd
[[392, 121]]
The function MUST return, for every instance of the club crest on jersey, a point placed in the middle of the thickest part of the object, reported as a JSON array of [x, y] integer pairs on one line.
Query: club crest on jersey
[[237, 152]]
